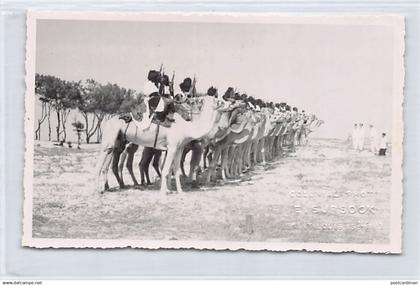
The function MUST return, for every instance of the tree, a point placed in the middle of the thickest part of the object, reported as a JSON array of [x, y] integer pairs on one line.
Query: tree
[[90, 107], [41, 93], [69, 99], [78, 128], [99, 101], [62, 96]]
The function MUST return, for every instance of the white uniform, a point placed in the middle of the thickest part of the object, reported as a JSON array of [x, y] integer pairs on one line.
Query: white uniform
[[383, 143], [354, 134], [373, 140], [361, 138]]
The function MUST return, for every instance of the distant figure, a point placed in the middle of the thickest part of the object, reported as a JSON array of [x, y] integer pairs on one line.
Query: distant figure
[[383, 145], [61, 143], [354, 134], [360, 137], [373, 139]]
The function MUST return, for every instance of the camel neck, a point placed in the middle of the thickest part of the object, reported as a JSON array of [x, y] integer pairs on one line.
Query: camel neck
[[205, 122]]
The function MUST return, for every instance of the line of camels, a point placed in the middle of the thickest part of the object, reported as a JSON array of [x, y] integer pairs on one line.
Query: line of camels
[[238, 137]]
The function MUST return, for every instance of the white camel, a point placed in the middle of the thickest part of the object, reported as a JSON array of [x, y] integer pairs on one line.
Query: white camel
[[172, 139]]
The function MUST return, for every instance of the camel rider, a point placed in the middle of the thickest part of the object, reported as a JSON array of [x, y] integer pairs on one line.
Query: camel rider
[[187, 91], [229, 95], [160, 102], [250, 103], [277, 109], [163, 109], [283, 107], [212, 91], [258, 104], [238, 117]]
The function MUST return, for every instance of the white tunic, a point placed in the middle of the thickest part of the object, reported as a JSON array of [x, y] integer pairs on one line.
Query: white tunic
[[383, 142]]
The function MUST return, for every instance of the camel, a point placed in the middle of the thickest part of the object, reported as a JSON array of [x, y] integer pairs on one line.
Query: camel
[[148, 154], [173, 139], [240, 160], [127, 155], [238, 148], [265, 133], [277, 135], [310, 126], [229, 146], [198, 148]]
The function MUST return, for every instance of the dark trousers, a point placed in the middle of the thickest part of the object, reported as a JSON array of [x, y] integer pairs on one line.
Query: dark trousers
[[382, 151]]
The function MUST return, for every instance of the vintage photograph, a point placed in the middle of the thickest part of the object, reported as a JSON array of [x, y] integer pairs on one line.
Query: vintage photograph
[[214, 131]]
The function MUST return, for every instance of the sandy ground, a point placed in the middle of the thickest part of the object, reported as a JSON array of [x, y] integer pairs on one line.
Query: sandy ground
[[323, 192]]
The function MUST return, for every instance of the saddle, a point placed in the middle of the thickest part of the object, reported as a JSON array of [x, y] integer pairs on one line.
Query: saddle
[[125, 117], [237, 121], [167, 123], [238, 126], [162, 118]]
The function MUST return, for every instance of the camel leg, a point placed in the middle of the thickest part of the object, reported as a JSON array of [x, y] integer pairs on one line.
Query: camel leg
[[280, 145], [232, 161], [250, 155], [224, 158], [206, 156], [209, 154], [121, 161], [177, 173], [263, 152], [156, 159], [196, 154], [115, 162], [146, 158], [171, 152], [184, 154], [255, 152], [247, 157], [275, 147], [112, 143], [269, 148], [230, 168], [266, 154], [131, 150], [240, 158], [258, 151], [244, 158], [229, 161], [237, 161], [146, 170], [104, 161], [213, 163], [106, 170]]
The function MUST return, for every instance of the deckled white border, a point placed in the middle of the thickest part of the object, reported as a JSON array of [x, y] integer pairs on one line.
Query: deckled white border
[[395, 21]]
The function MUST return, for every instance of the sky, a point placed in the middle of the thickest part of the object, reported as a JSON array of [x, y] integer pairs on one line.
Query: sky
[[341, 73]]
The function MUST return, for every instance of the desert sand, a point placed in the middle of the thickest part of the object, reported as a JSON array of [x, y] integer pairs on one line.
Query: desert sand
[[322, 192]]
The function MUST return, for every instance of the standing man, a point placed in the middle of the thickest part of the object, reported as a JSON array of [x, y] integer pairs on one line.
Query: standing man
[[383, 145], [354, 135], [373, 139], [361, 137]]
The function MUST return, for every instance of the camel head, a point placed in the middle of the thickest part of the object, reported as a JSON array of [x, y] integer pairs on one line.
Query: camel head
[[185, 110], [138, 110], [223, 106]]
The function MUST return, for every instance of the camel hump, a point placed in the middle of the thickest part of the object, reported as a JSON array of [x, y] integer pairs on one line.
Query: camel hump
[[125, 117], [238, 127]]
